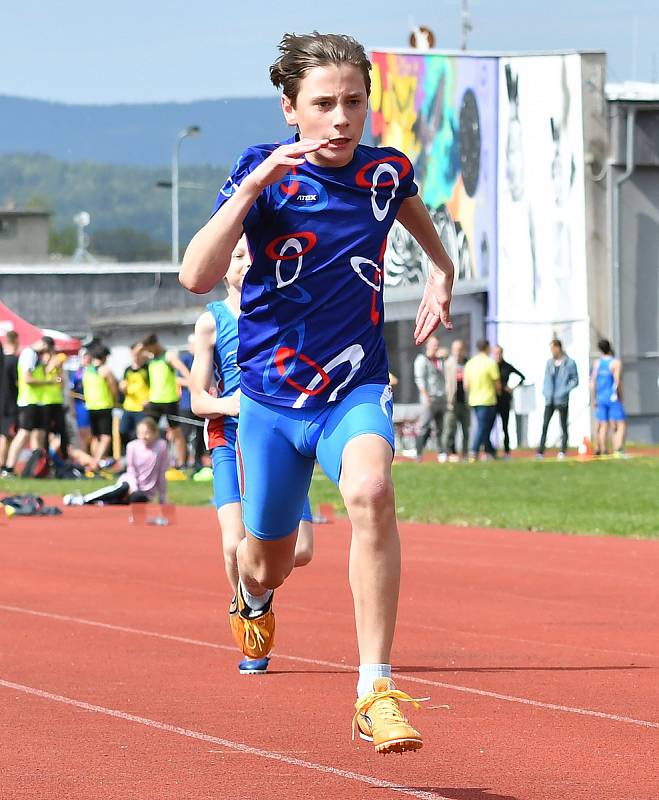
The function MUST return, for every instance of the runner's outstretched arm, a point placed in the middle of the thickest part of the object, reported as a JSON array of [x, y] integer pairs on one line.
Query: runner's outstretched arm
[[207, 257], [435, 305]]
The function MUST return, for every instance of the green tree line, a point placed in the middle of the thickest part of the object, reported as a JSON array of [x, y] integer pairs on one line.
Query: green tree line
[[130, 214]]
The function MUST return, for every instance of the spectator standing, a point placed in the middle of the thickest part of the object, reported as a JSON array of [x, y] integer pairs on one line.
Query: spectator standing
[[101, 394], [560, 379], [77, 401], [482, 382], [31, 380], [8, 395], [458, 411], [193, 430], [429, 379], [606, 387], [52, 396], [505, 395], [135, 388], [164, 393]]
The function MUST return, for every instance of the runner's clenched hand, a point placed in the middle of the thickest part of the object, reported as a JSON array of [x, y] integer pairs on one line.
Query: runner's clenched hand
[[282, 160]]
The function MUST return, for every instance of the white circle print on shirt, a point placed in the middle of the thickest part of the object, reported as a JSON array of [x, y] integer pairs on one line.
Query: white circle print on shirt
[[387, 175]]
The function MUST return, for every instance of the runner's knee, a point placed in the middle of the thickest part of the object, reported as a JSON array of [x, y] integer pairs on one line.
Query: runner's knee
[[369, 492]]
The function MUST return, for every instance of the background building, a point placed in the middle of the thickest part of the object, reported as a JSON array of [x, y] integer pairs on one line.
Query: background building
[[23, 235], [512, 157], [634, 199]]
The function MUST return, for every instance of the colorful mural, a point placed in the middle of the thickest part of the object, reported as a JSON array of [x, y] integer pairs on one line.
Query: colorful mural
[[441, 111]]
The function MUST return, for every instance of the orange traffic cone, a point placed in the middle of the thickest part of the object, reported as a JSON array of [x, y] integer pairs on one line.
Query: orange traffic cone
[[585, 450]]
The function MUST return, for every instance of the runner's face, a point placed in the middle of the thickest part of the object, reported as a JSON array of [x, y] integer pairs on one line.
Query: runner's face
[[240, 263], [331, 104]]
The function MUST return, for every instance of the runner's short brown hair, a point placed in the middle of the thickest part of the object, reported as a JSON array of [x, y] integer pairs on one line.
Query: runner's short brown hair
[[300, 53]]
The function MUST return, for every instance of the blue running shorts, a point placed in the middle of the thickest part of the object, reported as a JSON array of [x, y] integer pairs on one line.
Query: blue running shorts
[[225, 480], [278, 446], [610, 411]]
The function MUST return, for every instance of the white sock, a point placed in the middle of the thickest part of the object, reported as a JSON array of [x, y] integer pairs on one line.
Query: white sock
[[255, 601], [369, 673]]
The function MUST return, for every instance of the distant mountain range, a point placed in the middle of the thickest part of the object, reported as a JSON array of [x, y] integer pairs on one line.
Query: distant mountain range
[[139, 135]]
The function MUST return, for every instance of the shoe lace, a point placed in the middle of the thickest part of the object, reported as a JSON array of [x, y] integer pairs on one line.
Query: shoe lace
[[388, 707], [255, 636]]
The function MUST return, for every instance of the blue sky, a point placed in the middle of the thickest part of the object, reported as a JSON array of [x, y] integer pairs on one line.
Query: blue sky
[[148, 50]]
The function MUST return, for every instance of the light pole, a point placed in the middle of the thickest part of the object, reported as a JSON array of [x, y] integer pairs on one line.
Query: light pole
[[192, 130], [466, 24]]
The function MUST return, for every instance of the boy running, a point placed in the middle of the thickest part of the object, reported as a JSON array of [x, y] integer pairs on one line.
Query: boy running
[[316, 212], [215, 395]]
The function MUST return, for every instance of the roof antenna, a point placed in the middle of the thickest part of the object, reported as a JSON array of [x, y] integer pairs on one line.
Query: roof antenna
[[82, 220]]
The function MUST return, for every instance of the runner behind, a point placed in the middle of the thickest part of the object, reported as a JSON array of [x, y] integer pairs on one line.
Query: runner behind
[[215, 396]]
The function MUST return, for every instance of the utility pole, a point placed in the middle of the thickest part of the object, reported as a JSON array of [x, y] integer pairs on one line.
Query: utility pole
[[466, 24], [635, 47], [191, 130]]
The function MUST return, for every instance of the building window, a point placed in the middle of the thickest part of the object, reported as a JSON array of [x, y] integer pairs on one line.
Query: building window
[[8, 228]]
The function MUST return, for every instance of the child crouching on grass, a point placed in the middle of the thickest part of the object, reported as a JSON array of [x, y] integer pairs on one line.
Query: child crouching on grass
[[146, 459]]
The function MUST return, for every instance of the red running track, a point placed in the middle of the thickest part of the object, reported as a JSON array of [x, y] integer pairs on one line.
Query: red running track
[[118, 678]]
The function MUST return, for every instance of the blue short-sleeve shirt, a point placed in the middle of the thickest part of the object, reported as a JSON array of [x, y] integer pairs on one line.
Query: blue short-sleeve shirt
[[311, 327]]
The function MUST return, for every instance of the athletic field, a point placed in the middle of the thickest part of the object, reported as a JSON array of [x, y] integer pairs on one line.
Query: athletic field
[[538, 652]]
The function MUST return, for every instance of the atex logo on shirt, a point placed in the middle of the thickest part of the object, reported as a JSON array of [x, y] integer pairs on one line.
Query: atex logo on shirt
[[300, 192]]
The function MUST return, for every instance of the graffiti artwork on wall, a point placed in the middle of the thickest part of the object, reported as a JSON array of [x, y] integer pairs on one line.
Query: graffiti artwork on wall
[[541, 265], [542, 247], [441, 111]]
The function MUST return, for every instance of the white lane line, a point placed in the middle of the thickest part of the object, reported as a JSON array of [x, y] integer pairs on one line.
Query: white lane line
[[586, 712], [403, 623], [237, 746]]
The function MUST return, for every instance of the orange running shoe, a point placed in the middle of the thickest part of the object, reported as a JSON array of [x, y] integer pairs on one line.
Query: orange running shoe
[[253, 631], [379, 719]]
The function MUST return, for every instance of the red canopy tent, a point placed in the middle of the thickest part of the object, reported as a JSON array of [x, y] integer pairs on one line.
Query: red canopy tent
[[29, 333]]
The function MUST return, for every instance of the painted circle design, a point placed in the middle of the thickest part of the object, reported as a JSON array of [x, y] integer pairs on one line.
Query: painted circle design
[[310, 238], [383, 169], [292, 292], [470, 142], [283, 354], [270, 386], [296, 246], [365, 183], [356, 262]]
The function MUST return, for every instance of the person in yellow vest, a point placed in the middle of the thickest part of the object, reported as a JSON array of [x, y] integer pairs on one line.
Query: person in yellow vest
[[135, 389], [32, 379], [482, 381], [52, 396], [164, 392], [100, 390]]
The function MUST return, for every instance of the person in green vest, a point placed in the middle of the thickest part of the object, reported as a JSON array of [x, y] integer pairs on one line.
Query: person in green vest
[[52, 396], [100, 390], [164, 392], [32, 380]]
